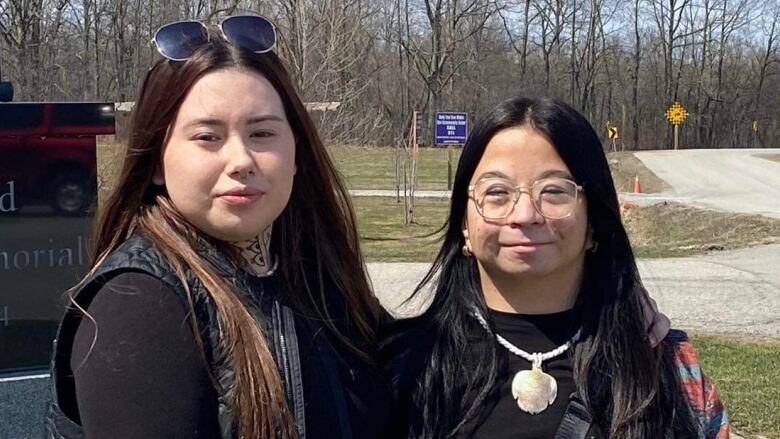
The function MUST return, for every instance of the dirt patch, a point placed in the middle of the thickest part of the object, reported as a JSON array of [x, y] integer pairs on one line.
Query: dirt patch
[[625, 167], [773, 157], [672, 229]]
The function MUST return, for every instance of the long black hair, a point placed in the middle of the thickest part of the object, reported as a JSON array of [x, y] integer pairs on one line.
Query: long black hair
[[628, 385]]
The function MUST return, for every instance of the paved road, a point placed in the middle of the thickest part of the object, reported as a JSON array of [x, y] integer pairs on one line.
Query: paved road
[[736, 180], [734, 292]]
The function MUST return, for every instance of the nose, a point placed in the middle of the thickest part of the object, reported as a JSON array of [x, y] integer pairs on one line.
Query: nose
[[524, 212], [238, 158]]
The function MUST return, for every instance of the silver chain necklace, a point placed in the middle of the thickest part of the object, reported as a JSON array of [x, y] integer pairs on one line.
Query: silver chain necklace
[[534, 390]]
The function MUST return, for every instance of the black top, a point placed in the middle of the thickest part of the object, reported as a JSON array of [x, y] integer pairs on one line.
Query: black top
[[407, 349], [501, 417], [145, 375]]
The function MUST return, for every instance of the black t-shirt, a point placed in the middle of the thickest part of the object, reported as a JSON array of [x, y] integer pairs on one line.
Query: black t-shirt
[[407, 350], [145, 376], [501, 417]]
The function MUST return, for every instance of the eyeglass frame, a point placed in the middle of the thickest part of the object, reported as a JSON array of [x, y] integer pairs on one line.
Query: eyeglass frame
[[208, 34], [521, 189]]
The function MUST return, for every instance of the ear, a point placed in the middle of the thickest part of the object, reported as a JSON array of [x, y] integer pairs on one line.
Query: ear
[[590, 241], [296, 149], [465, 230], [158, 177]]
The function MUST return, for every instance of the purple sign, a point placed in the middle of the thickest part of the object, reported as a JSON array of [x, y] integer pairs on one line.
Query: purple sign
[[451, 128]]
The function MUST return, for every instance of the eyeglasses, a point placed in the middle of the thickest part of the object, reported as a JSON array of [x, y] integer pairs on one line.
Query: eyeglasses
[[553, 198], [177, 41]]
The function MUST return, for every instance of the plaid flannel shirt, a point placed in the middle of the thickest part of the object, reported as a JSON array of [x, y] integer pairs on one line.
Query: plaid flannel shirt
[[700, 391]]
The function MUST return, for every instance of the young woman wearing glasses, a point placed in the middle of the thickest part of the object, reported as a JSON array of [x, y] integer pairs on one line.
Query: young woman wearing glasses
[[227, 297], [540, 326]]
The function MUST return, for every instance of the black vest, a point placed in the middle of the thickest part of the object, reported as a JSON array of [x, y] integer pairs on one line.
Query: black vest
[[139, 254]]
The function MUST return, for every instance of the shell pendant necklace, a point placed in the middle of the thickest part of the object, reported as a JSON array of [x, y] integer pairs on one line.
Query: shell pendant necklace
[[534, 390]]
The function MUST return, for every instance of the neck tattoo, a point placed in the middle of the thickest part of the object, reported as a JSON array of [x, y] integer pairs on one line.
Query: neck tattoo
[[257, 253], [534, 390]]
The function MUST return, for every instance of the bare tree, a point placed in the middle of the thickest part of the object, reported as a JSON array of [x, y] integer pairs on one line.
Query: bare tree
[[381, 59]]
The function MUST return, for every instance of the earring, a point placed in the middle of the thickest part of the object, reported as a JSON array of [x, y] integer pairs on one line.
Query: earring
[[466, 251], [594, 247]]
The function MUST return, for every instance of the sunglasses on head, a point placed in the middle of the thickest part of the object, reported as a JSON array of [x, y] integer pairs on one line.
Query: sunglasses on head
[[177, 41]]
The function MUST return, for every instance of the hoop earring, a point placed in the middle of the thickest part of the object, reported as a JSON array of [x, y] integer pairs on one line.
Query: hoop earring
[[594, 247], [466, 251]]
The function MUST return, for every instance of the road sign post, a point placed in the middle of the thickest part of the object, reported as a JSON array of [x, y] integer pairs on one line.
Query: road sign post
[[419, 128], [451, 129], [612, 133], [755, 133], [397, 172], [449, 167], [676, 115], [413, 141]]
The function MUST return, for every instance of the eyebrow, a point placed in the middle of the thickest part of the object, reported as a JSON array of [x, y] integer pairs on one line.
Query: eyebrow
[[545, 174], [264, 118], [249, 121], [556, 173], [493, 174]]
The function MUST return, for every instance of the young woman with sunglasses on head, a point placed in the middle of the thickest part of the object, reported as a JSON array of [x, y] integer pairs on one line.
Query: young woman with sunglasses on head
[[227, 297], [539, 326]]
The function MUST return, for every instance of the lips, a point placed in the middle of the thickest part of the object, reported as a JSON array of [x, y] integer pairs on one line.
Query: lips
[[524, 244], [241, 196], [524, 247]]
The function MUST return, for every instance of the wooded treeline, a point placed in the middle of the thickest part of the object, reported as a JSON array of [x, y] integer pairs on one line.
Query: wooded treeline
[[623, 61]]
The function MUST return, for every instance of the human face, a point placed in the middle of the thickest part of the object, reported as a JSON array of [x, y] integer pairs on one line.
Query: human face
[[229, 161], [525, 245]]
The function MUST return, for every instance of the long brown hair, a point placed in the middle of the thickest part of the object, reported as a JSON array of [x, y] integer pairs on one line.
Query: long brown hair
[[314, 239]]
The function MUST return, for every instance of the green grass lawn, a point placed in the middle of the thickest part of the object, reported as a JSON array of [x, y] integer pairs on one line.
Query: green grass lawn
[[384, 237], [748, 378], [375, 167]]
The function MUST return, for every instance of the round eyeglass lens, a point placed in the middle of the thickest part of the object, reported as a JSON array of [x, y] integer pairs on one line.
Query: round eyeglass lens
[[555, 197], [178, 41], [495, 198], [250, 32]]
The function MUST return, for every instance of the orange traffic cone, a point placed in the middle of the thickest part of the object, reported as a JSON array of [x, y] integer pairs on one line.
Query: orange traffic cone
[[637, 185]]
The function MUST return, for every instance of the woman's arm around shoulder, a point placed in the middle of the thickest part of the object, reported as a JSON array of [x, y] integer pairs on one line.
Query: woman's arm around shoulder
[[701, 393]]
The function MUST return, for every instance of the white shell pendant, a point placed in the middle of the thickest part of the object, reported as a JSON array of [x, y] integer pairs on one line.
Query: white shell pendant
[[534, 390]]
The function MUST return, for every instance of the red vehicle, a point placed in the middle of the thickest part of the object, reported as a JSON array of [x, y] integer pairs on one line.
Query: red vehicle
[[48, 151]]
